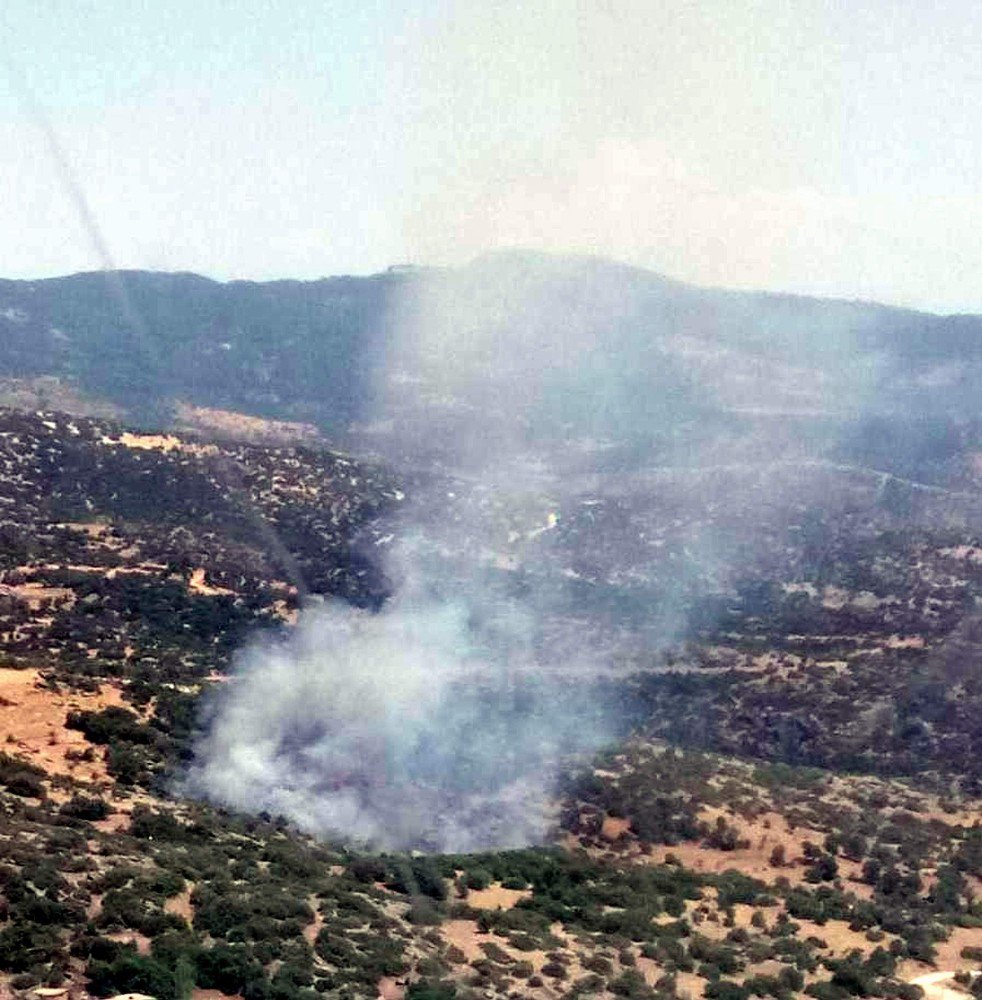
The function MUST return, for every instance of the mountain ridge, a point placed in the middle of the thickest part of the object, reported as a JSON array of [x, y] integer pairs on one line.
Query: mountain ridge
[[309, 351], [516, 254]]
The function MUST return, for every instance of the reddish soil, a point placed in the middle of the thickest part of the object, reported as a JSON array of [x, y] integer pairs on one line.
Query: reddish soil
[[197, 584], [32, 724], [389, 989], [496, 898], [312, 929], [141, 941], [614, 826], [464, 934], [181, 905], [241, 426]]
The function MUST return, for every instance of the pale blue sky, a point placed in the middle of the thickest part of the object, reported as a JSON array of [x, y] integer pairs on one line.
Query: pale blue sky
[[810, 146], [83, 55]]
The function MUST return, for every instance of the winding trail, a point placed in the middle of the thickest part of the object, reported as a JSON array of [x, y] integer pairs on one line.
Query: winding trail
[[934, 988]]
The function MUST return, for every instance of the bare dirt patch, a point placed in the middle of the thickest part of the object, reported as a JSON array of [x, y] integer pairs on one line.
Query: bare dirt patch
[[941, 986], [905, 642], [141, 941], [949, 954], [241, 426], [837, 935], [36, 595], [464, 935], [764, 833], [389, 989], [197, 584], [159, 442], [688, 984], [495, 897], [32, 724], [115, 823], [147, 442], [282, 610], [180, 905], [49, 392], [751, 861], [312, 929], [614, 827]]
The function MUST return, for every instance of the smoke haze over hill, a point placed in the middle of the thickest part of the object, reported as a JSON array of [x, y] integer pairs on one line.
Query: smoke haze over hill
[[440, 720]]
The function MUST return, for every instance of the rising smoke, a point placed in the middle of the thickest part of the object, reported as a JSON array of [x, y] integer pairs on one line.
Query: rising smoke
[[439, 721], [535, 398]]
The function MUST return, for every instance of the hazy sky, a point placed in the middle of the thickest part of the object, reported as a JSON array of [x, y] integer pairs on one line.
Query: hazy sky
[[790, 144]]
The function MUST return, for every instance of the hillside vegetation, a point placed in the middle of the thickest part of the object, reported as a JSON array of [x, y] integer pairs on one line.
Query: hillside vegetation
[[752, 838], [744, 532]]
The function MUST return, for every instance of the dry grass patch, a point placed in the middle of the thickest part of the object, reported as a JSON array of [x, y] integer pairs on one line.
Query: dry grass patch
[[465, 936], [181, 905], [32, 721], [496, 897]]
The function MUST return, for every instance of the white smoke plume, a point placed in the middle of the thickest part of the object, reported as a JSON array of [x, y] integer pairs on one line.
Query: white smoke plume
[[415, 726], [440, 721]]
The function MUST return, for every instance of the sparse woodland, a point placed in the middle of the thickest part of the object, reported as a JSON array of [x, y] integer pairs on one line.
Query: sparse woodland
[[795, 807]]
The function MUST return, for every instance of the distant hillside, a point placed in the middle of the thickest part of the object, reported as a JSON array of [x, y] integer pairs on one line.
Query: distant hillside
[[284, 349], [641, 357]]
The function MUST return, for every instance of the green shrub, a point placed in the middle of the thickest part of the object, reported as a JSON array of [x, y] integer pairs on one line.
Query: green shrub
[[24, 945], [555, 970], [827, 991], [112, 725], [725, 989], [601, 965], [631, 984], [131, 973], [423, 912], [496, 953], [368, 869], [150, 824], [429, 990], [226, 967], [477, 878], [86, 807]]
